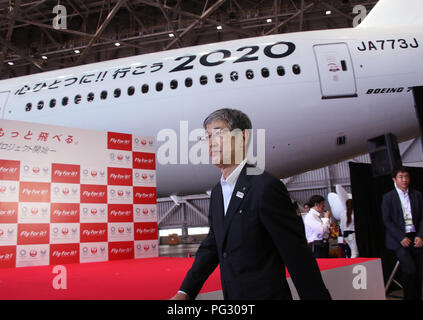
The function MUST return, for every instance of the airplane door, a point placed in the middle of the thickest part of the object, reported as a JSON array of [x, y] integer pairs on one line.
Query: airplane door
[[3, 100], [336, 71]]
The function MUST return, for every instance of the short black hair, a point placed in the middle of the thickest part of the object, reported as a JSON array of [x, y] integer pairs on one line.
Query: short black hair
[[399, 169], [315, 199], [235, 119]]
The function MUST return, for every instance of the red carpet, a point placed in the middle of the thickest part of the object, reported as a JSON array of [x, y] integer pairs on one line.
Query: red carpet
[[143, 279]]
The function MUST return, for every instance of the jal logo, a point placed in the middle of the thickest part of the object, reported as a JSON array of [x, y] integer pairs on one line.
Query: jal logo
[[34, 192], [1, 232], [92, 232], [6, 256], [119, 141], [65, 213], [33, 234], [120, 176], [65, 231], [119, 251], [7, 171], [93, 194], [143, 160], [65, 191], [64, 253], [65, 173], [94, 173], [33, 253], [121, 229], [145, 231], [36, 170], [120, 193], [94, 211], [94, 250], [34, 211], [120, 213], [3, 189], [7, 213], [143, 195]]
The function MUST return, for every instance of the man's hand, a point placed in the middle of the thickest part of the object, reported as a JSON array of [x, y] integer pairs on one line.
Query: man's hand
[[180, 296], [405, 242], [418, 242]]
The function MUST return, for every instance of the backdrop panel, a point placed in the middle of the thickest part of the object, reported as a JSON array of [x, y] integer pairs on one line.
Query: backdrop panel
[[73, 196]]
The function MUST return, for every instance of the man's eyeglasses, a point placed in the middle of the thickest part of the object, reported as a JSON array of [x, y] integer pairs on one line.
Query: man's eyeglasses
[[216, 133]]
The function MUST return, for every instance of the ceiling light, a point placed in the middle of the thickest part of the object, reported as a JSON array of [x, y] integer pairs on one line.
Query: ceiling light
[[328, 12], [171, 35], [269, 20], [219, 27], [117, 44], [44, 57], [76, 51], [10, 63]]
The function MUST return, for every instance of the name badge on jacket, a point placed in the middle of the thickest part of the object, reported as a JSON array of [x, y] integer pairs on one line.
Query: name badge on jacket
[[239, 194]]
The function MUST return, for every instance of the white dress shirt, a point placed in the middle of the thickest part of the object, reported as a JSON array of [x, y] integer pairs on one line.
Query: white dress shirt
[[406, 209], [316, 228], [228, 184]]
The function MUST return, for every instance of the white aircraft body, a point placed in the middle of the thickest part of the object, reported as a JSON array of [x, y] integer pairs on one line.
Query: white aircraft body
[[307, 90]]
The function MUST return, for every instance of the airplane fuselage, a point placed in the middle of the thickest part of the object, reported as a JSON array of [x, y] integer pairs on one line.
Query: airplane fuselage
[[308, 90]]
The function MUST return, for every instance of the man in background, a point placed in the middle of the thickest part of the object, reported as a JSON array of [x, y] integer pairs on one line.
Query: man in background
[[402, 213]]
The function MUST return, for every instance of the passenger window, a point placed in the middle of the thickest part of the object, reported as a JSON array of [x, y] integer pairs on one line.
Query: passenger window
[[234, 76], [218, 77], [28, 107], [40, 105], [52, 103], [116, 93], [249, 74], [296, 69], [280, 70], [173, 84], [188, 82], [103, 95], [90, 97], [159, 86], [265, 72], [144, 88], [77, 99], [65, 101], [131, 91], [203, 80]]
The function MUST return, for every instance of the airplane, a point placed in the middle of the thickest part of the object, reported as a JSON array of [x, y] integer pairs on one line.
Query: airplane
[[319, 95]]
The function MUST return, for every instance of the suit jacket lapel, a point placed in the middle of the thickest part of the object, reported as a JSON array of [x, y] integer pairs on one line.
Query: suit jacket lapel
[[218, 211], [399, 211], [238, 195], [412, 196]]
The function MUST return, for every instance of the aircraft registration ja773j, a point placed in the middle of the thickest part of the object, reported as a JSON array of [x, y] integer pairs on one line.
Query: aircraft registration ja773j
[[308, 90]]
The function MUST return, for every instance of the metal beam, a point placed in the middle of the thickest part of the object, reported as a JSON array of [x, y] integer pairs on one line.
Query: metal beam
[[208, 12], [100, 31], [21, 54], [175, 33], [299, 12], [194, 16]]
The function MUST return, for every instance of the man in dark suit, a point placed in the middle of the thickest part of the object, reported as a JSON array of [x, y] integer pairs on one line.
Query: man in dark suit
[[254, 229], [402, 212]]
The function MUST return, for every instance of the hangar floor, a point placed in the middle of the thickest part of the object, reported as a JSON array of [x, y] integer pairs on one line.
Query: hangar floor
[[189, 250]]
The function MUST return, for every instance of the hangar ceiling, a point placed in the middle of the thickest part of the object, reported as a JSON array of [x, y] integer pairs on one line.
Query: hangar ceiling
[[33, 38]]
